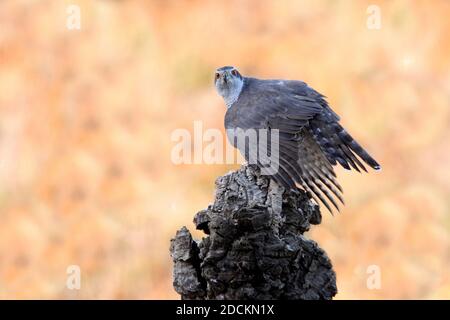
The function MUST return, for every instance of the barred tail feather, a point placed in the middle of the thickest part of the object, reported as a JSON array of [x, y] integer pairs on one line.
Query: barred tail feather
[[354, 146]]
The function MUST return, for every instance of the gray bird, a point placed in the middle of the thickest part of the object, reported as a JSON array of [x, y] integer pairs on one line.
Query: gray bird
[[310, 139]]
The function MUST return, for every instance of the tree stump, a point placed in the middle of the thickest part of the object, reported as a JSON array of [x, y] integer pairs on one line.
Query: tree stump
[[255, 247]]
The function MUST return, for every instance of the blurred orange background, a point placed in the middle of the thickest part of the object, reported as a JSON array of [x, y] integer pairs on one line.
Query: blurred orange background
[[86, 118]]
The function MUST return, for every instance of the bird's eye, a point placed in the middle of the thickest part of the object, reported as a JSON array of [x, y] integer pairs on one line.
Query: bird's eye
[[217, 76], [234, 73]]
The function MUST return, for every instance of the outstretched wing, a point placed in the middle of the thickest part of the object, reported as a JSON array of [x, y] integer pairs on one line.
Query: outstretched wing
[[310, 139], [287, 106]]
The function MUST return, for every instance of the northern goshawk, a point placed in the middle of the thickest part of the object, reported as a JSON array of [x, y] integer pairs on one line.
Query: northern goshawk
[[310, 140]]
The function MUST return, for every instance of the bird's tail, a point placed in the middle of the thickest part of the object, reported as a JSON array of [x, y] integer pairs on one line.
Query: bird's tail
[[339, 146], [354, 146]]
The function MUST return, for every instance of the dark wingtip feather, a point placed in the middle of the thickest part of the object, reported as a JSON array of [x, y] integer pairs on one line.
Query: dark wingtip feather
[[371, 162], [343, 163]]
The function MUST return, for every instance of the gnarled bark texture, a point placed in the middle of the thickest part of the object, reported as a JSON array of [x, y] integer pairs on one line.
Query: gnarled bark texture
[[255, 248]]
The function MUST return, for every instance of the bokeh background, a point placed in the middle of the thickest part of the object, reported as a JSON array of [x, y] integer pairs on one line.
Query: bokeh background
[[86, 117]]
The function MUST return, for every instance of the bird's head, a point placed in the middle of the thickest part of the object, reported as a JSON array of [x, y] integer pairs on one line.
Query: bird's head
[[228, 83]]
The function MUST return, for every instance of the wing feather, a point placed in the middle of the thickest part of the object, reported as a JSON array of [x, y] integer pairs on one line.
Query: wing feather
[[311, 141]]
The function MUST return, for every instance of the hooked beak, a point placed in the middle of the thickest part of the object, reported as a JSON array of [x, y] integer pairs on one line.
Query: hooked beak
[[225, 78]]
